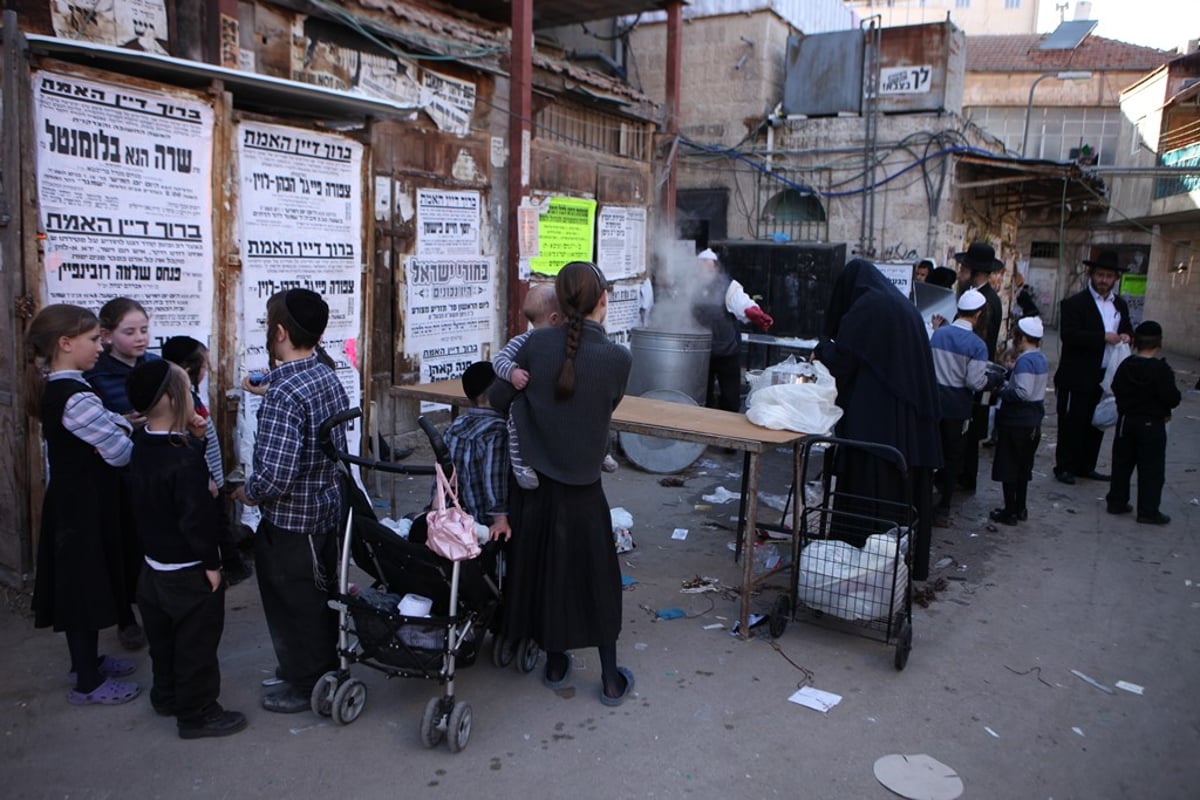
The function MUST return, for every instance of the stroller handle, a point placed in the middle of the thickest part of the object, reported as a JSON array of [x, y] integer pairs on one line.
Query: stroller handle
[[325, 438], [441, 453]]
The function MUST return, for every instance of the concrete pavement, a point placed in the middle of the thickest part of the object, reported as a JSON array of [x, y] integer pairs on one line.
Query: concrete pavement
[[988, 690]]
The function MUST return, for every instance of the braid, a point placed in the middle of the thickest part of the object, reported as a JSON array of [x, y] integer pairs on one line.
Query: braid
[[565, 388]]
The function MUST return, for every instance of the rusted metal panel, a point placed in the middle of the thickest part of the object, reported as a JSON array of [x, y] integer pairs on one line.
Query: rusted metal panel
[[922, 68], [824, 74]]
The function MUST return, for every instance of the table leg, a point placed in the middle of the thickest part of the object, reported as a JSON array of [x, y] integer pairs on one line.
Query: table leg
[[737, 548], [748, 532]]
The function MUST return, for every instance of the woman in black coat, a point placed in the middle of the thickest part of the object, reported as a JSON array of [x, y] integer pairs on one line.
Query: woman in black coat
[[876, 346]]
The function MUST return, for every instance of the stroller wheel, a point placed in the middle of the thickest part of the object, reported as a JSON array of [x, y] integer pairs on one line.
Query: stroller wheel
[[528, 654], [348, 701], [323, 692], [459, 727], [431, 732], [503, 651]]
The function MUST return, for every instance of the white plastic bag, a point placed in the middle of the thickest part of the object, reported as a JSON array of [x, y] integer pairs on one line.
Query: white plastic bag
[[802, 407], [840, 579], [1105, 415], [1121, 351]]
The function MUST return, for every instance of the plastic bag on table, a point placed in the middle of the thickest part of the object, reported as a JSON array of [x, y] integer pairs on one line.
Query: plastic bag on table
[[801, 407]]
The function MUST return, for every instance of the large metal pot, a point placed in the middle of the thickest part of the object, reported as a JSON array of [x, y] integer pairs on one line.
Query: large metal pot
[[668, 360]]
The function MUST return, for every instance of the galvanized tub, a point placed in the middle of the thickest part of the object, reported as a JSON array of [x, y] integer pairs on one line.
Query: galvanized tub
[[669, 360]]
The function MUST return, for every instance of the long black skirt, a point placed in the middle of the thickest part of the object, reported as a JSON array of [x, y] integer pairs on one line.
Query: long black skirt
[[564, 590]]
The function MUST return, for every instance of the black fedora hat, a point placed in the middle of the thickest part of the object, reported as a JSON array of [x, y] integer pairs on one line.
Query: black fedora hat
[[980, 257], [1107, 259]]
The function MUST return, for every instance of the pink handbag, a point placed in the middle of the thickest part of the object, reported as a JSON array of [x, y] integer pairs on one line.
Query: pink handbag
[[451, 531]]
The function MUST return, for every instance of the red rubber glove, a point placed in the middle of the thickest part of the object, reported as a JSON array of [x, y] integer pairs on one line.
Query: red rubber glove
[[760, 318]]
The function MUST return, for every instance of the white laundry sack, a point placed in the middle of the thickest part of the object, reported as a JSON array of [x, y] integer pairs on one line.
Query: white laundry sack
[[1121, 351], [802, 407], [1106, 414]]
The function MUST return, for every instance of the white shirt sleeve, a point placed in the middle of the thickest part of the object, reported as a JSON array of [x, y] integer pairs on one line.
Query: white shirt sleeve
[[737, 301]]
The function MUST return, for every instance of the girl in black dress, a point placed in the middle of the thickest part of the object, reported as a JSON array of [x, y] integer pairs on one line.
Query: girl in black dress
[[81, 583], [565, 591]]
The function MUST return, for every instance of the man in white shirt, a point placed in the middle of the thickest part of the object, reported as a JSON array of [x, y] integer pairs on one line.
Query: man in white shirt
[[1091, 323]]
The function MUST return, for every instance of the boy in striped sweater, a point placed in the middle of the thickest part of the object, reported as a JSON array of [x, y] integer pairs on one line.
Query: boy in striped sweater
[[1019, 421]]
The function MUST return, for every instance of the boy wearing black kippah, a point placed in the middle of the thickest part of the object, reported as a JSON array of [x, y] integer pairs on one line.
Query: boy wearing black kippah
[[296, 488], [1145, 389]]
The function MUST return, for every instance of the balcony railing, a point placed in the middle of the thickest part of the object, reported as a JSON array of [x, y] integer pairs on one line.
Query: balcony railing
[[1183, 157]]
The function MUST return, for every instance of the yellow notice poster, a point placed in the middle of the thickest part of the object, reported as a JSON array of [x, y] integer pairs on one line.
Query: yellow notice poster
[[565, 234]]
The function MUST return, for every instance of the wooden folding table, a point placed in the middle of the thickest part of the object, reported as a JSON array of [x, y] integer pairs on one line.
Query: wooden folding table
[[687, 423]]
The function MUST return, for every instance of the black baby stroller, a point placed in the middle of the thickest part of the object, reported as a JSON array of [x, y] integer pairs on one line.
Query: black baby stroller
[[373, 632]]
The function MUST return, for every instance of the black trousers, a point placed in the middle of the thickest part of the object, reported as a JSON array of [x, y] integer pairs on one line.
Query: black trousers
[[977, 431], [1078, 440], [1139, 443], [953, 433], [727, 373], [183, 618], [296, 575]]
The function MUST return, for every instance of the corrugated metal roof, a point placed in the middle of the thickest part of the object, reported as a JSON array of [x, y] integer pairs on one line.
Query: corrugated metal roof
[[1020, 53]]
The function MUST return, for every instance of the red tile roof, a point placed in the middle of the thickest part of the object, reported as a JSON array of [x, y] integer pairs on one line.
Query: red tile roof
[[1020, 53]]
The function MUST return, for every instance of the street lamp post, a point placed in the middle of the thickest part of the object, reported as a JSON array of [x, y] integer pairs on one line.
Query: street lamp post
[[1062, 76]]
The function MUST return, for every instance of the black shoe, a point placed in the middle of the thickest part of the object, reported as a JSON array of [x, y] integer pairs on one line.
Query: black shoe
[[1023, 514], [217, 722], [966, 486], [290, 700], [132, 637], [1123, 510], [1097, 476], [236, 570], [1002, 516], [1154, 519], [1062, 476]]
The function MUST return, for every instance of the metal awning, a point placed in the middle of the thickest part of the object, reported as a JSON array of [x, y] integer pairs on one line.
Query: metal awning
[[1029, 183], [261, 92]]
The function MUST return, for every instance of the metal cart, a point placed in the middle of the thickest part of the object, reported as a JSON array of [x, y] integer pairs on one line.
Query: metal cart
[[852, 554]]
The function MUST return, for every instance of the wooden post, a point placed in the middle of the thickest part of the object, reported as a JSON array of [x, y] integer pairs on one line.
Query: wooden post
[[674, 81], [520, 127], [221, 33], [17, 564]]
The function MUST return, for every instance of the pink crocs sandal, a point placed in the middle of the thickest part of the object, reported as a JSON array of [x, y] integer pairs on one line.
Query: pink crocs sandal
[[110, 667], [109, 693]]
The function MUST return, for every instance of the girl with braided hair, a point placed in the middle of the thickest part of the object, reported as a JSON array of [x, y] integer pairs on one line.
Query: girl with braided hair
[[565, 591]]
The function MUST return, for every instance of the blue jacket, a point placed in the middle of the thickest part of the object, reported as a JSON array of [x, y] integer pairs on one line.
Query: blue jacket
[[108, 379], [960, 364], [1022, 399]]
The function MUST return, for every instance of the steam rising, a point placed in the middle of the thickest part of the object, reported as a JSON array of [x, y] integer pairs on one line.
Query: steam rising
[[678, 281]]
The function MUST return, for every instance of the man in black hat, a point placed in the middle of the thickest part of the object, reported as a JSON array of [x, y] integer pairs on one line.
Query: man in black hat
[[1090, 324], [980, 261], [296, 487]]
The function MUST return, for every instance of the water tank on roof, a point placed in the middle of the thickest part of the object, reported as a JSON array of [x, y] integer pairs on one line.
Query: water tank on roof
[[921, 68], [824, 74]]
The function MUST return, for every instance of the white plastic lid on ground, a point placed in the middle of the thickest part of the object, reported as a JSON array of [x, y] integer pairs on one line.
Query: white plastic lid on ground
[[918, 777]]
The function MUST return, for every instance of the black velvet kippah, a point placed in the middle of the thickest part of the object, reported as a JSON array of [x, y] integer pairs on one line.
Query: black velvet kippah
[[146, 384], [308, 310], [478, 378]]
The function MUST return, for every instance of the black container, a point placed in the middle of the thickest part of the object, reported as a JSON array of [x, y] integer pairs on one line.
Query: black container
[[794, 280]]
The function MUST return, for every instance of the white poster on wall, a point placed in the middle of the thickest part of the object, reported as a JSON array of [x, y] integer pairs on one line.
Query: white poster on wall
[[124, 182], [448, 101], [625, 311], [621, 241], [450, 316], [447, 223], [900, 274], [301, 228]]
